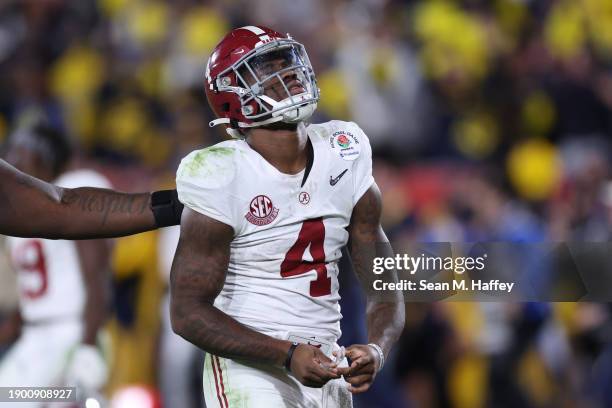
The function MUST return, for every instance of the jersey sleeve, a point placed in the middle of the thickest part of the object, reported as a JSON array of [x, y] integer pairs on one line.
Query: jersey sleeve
[[204, 183], [83, 178], [362, 167]]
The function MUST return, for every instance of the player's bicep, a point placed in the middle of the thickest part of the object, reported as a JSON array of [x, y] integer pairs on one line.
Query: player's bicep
[[367, 238], [365, 220], [201, 259]]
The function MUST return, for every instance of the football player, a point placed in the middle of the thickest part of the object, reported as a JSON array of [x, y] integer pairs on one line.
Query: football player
[[31, 207], [255, 276], [63, 285]]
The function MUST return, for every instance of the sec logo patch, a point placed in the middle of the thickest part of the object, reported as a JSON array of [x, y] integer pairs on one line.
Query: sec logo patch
[[261, 211]]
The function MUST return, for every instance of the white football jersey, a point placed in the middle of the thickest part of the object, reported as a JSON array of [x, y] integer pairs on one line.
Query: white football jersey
[[49, 271], [283, 269]]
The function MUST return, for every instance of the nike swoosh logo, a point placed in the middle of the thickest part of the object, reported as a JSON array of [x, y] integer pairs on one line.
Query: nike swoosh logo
[[334, 181]]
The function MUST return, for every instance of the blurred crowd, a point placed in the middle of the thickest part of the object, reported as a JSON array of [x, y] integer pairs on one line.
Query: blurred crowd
[[489, 120]]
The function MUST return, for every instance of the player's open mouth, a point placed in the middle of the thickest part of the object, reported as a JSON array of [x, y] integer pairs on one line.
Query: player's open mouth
[[295, 88]]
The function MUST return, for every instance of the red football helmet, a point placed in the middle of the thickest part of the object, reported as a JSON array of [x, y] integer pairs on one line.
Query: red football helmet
[[257, 76]]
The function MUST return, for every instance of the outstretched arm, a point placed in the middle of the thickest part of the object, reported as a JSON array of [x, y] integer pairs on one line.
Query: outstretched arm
[[197, 277], [29, 207], [385, 319]]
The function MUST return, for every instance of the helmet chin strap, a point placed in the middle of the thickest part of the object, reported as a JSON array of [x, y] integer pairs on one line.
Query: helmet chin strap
[[226, 121], [220, 121], [234, 132], [286, 115], [291, 115]]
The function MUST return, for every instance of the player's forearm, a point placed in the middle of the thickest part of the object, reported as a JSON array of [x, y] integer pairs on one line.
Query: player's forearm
[[102, 213], [385, 324], [94, 316], [96, 308], [385, 319], [30, 207], [215, 332], [94, 259]]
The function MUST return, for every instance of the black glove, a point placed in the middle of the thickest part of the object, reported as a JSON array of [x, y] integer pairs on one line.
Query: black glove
[[166, 207]]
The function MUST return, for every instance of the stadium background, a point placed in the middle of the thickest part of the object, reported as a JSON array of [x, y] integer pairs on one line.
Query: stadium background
[[490, 120]]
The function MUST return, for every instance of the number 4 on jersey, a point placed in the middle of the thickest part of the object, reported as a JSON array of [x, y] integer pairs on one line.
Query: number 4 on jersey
[[313, 234]]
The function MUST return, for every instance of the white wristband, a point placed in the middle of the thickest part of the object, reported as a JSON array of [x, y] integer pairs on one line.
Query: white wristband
[[381, 355]]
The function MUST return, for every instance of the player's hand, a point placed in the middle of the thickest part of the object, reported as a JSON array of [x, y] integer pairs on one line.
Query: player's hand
[[364, 366], [311, 367], [87, 368]]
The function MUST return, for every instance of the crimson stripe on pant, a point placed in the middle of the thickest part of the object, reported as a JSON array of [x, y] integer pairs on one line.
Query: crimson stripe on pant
[[221, 381], [212, 362]]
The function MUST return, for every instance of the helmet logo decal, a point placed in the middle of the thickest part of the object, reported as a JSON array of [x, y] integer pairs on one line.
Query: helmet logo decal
[[261, 211]]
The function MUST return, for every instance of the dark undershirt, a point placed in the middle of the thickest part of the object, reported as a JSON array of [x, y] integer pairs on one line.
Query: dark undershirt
[[309, 160]]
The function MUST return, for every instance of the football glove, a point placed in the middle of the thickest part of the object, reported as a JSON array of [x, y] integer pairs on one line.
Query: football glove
[[87, 368]]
